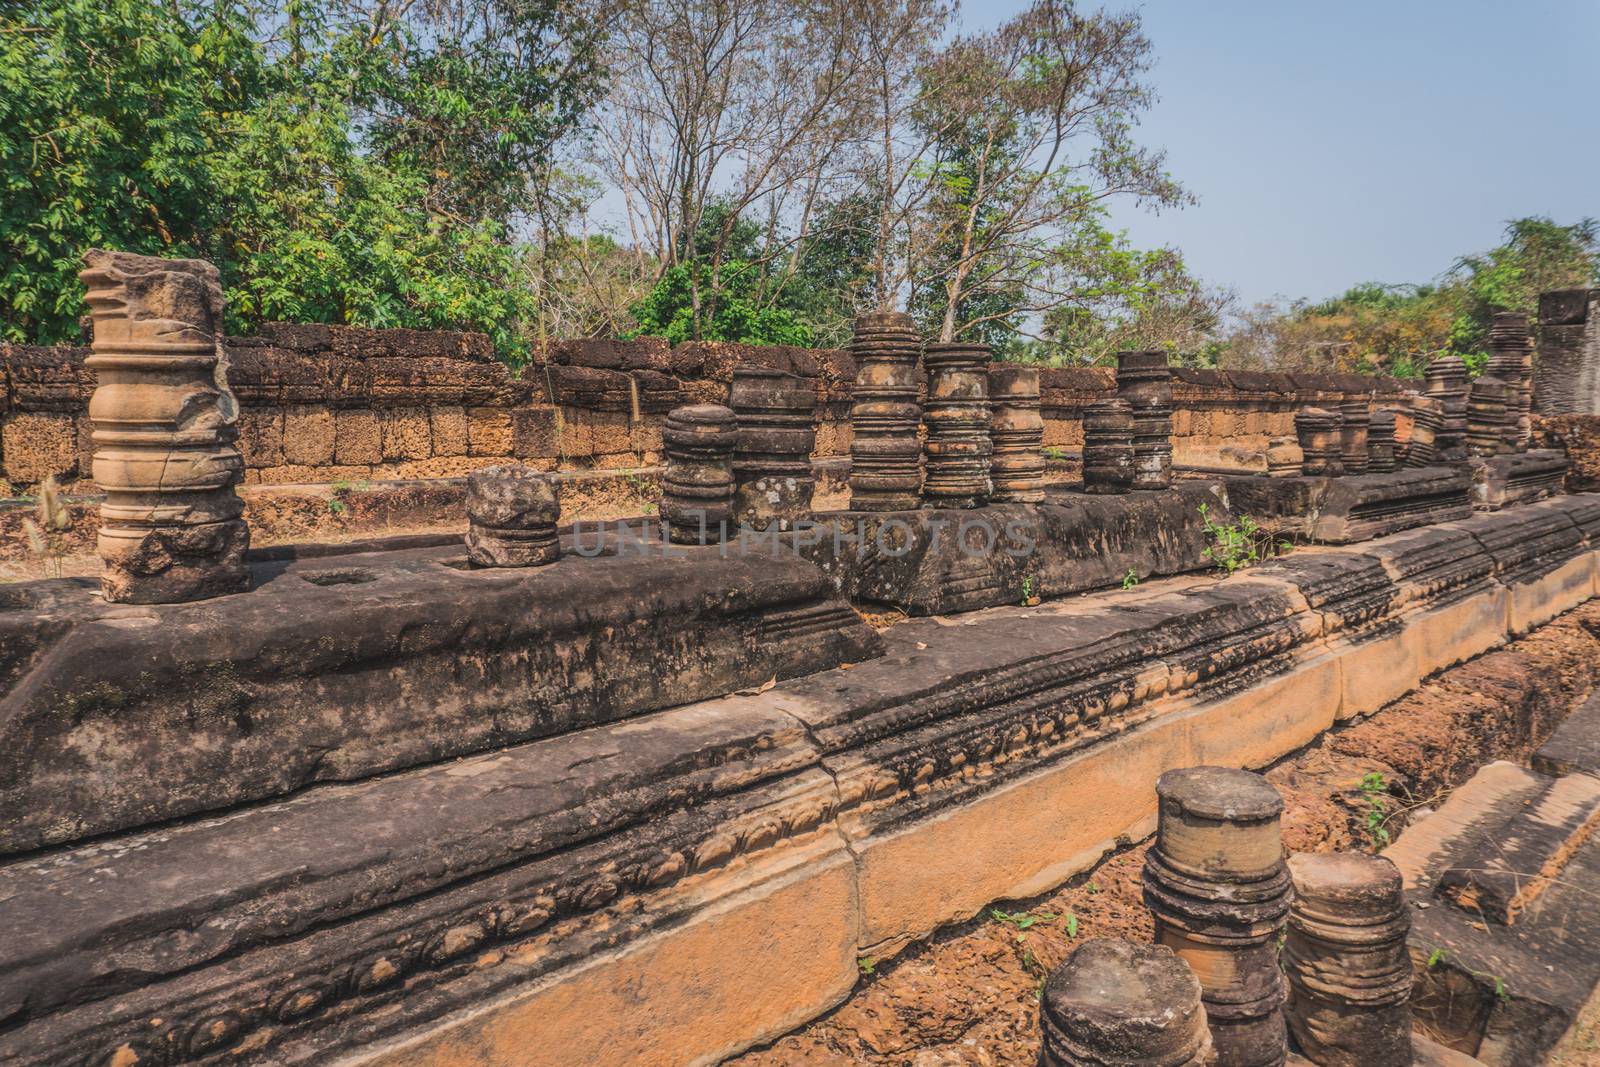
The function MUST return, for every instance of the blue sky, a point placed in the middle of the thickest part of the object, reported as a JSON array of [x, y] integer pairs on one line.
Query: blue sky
[[1332, 144]]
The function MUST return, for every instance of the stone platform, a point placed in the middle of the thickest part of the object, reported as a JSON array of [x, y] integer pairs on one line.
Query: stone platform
[[1347, 509], [1504, 924], [1517, 478], [338, 667], [668, 887], [937, 561]]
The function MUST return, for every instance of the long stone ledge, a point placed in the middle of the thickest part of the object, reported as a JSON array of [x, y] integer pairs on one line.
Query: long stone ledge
[[672, 888], [114, 717]]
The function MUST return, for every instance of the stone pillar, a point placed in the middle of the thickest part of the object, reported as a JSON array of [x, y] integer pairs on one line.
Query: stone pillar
[[1346, 960], [1486, 416], [1382, 457], [697, 492], [511, 518], [1511, 360], [1017, 428], [1321, 446], [165, 423], [1108, 434], [885, 455], [773, 480], [1115, 1002], [1567, 381], [1145, 381], [956, 415], [1422, 449], [1284, 457], [1355, 416], [1446, 384], [1217, 886]]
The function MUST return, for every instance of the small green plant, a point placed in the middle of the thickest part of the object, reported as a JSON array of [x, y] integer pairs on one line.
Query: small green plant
[[1130, 579], [1238, 544], [1440, 955], [1022, 920], [866, 965], [337, 506], [1072, 925], [1029, 595], [1374, 789], [1058, 454]]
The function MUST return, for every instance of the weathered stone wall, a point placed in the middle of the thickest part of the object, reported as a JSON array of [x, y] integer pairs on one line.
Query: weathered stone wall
[[332, 403]]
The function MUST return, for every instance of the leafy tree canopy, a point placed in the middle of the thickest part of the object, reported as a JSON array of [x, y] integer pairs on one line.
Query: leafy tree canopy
[[337, 164]]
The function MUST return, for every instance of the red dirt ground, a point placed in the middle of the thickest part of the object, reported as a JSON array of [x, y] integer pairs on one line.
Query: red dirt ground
[[968, 997]]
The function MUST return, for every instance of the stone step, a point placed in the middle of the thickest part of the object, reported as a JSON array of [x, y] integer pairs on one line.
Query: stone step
[[1575, 746], [1502, 875], [1504, 930]]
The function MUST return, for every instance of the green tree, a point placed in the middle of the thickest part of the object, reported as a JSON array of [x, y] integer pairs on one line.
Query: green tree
[[337, 164], [113, 117]]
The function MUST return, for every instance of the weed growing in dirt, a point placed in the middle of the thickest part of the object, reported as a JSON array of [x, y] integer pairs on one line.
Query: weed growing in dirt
[[866, 965], [1374, 789], [1030, 593], [1055, 453], [1130, 579]]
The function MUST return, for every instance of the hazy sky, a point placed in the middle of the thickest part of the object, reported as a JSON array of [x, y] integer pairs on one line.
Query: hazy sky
[[1335, 143]]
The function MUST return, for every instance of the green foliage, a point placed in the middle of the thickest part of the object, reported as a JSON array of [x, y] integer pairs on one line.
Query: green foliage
[[736, 313], [1374, 789], [1399, 329], [336, 167], [1237, 544], [867, 965], [1130, 579]]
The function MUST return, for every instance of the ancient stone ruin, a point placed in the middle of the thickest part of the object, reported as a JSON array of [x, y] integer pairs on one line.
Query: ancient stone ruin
[[956, 414], [164, 429], [1117, 1002], [1017, 432], [511, 518], [773, 479], [555, 780], [1218, 888], [885, 456], [1346, 961], [697, 493]]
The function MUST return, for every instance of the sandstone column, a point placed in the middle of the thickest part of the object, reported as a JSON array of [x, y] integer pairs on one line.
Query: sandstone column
[[1216, 883], [1345, 955], [1355, 416], [165, 423], [1115, 1002], [1145, 381], [1320, 443], [1284, 457], [885, 456], [1446, 383], [511, 518], [697, 492], [1017, 429], [1108, 431], [1422, 449], [956, 415], [1381, 454], [773, 480], [1511, 360], [1487, 416]]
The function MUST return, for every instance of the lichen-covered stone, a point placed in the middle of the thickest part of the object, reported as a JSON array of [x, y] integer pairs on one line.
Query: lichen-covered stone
[[885, 455], [511, 514], [1115, 1002], [956, 416]]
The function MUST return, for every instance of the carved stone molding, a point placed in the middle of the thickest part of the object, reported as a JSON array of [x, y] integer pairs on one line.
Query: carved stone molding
[[885, 455]]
